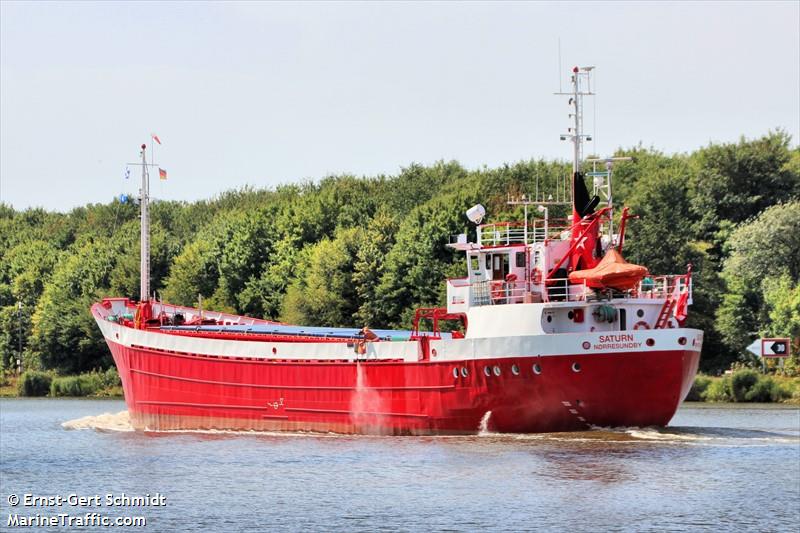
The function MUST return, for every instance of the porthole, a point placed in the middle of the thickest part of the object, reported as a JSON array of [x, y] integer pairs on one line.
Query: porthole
[[576, 367], [682, 341], [274, 350], [496, 370], [486, 371], [570, 315], [549, 318], [650, 342], [455, 373], [537, 369], [640, 313], [464, 372], [515, 370], [433, 352]]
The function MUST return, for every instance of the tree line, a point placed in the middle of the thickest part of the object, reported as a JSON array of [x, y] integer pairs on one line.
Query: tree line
[[356, 251]]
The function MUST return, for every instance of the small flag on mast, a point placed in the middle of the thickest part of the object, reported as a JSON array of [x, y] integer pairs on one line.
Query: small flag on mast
[[155, 138], [162, 174]]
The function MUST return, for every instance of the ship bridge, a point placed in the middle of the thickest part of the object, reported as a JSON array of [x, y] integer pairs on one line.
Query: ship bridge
[[522, 276], [509, 262]]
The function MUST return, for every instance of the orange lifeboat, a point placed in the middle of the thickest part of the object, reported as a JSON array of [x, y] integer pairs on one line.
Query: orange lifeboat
[[612, 272]]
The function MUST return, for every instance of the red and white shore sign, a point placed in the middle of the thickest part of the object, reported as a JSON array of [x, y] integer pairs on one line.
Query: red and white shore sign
[[770, 347]]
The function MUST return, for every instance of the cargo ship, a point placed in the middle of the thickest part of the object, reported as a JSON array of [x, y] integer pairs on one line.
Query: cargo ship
[[550, 330]]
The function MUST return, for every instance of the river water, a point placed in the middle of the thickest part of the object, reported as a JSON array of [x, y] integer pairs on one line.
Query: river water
[[727, 467]]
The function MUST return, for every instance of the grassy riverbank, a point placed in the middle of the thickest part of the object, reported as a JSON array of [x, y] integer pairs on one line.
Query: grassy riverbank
[[745, 385], [95, 384]]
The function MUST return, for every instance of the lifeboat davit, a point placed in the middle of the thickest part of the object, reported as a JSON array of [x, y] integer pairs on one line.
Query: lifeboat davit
[[612, 272]]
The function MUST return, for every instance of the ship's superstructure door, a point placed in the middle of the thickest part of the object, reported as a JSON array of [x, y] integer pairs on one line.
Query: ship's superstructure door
[[498, 264]]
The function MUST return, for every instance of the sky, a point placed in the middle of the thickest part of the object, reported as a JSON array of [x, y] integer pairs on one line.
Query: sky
[[264, 94]]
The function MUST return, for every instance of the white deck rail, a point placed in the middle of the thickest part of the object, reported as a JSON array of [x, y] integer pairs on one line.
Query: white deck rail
[[499, 292], [508, 233]]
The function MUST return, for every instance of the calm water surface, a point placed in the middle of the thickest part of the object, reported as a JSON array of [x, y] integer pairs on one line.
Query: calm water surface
[[716, 468]]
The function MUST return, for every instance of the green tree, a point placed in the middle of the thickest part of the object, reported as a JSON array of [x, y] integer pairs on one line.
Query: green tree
[[228, 254], [28, 268], [65, 336], [12, 324], [264, 296], [735, 182], [419, 262], [370, 265], [247, 246], [125, 276], [662, 237], [782, 299], [760, 251], [782, 302], [194, 272], [325, 294]]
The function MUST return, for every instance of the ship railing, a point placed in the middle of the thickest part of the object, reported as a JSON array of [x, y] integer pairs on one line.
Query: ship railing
[[497, 292], [509, 233], [661, 287], [514, 292], [552, 228]]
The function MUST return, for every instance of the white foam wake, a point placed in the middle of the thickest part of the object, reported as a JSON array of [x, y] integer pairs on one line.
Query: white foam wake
[[656, 435], [483, 428], [104, 422]]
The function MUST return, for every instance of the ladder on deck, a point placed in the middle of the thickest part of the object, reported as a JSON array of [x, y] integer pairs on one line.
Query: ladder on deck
[[666, 312]]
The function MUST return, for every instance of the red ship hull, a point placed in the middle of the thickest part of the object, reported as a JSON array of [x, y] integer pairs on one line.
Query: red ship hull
[[178, 391]]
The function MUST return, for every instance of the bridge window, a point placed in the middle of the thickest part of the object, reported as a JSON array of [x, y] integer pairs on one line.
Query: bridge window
[[474, 264], [520, 259]]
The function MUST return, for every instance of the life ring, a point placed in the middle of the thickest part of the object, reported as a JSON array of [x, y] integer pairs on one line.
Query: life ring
[[641, 325], [497, 289], [536, 276]]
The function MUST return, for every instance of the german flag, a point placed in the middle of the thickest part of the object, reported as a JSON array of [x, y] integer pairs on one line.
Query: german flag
[[162, 174]]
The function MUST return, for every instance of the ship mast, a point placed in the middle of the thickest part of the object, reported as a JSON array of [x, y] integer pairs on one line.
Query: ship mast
[[144, 204], [581, 86], [601, 180]]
